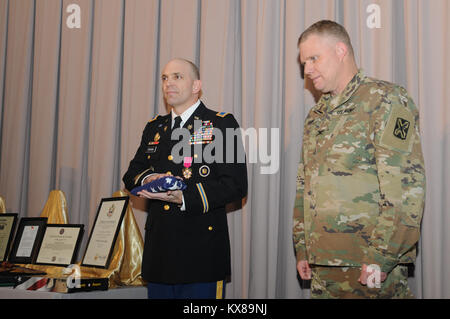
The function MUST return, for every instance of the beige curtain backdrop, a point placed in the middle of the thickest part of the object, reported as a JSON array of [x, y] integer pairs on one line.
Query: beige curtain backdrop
[[74, 102]]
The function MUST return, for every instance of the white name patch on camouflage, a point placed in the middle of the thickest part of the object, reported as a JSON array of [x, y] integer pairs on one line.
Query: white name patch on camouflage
[[399, 130]]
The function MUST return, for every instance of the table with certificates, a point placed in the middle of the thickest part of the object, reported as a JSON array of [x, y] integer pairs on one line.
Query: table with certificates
[[60, 244], [104, 233], [7, 225]]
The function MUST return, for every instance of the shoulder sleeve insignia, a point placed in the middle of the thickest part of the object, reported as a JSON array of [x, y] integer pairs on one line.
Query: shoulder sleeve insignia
[[155, 118], [399, 130], [222, 114]]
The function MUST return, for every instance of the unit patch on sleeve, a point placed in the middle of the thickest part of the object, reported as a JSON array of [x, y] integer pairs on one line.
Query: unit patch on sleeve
[[399, 131], [401, 128]]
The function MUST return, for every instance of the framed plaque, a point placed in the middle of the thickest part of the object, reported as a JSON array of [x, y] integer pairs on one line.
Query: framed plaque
[[7, 226], [104, 233], [60, 244], [28, 240]]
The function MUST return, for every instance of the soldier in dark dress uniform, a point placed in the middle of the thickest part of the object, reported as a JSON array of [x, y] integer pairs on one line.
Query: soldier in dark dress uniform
[[187, 247]]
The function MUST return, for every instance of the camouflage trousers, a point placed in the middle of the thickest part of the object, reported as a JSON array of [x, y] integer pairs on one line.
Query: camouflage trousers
[[342, 282]]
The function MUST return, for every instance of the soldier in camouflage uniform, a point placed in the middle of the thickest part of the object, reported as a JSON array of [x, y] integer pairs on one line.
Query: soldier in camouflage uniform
[[361, 179]]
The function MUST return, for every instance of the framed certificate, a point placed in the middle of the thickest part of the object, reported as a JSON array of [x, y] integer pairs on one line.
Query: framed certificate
[[28, 240], [60, 244], [104, 233], [7, 226]]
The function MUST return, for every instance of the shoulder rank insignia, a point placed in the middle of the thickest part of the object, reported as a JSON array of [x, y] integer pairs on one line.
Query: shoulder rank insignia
[[222, 114], [156, 117]]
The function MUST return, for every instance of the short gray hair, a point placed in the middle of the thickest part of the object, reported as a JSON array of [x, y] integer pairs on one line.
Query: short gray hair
[[328, 27]]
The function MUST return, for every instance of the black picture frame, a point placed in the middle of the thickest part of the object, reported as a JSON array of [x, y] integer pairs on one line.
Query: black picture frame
[[101, 233], [69, 256], [28, 252], [7, 221]]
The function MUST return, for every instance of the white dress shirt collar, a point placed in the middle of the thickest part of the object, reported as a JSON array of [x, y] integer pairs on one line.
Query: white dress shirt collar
[[186, 114]]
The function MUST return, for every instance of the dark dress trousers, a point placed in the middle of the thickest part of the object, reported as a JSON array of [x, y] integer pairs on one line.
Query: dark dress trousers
[[192, 245]]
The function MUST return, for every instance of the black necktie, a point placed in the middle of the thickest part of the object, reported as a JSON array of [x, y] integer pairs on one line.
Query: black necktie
[[177, 123]]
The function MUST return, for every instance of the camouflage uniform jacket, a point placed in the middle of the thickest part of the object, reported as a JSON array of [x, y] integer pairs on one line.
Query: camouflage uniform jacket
[[361, 179]]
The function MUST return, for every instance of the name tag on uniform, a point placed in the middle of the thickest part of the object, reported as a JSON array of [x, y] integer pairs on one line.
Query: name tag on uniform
[[151, 149]]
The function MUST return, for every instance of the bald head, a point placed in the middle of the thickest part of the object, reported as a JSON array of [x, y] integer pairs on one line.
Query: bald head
[[195, 73], [181, 84]]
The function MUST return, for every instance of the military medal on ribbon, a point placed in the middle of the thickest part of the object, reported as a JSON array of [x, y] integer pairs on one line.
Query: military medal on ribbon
[[187, 170]]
